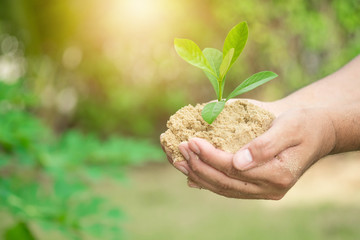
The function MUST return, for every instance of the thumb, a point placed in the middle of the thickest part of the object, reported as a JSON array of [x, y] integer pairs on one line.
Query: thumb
[[282, 134]]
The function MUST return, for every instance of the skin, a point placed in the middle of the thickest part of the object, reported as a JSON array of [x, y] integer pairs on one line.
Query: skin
[[320, 119]]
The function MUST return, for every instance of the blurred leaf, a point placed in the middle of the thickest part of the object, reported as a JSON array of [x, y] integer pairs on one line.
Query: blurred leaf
[[3, 160], [64, 188], [89, 207], [115, 214], [19, 231], [96, 230]]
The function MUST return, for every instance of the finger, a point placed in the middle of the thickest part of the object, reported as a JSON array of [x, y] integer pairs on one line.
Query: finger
[[220, 160], [168, 156], [199, 183], [281, 135], [215, 180], [274, 175], [275, 182], [221, 192], [183, 167], [193, 184], [183, 146], [216, 158], [167, 152], [277, 176]]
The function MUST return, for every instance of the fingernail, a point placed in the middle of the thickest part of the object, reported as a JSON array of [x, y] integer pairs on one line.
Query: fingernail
[[193, 185], [242, 159], [182, 169], [184, 152], [194, 147]]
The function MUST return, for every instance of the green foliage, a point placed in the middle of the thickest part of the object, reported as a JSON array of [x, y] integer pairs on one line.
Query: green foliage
[[125, 61], [212, 110], [236, 39], [216, 68], [292, 40], [48, 179], [252, 82], [214, 56], [225, 65], [191, 53], [19, 231]]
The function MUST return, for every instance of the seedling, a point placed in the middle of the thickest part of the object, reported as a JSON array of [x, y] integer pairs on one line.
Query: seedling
[[216, 65]]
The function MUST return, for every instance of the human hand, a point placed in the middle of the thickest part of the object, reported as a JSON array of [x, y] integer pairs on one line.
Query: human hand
[[268, 166]]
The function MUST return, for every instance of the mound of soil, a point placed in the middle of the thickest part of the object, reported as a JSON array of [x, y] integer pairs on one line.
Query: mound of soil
[[237, 124]]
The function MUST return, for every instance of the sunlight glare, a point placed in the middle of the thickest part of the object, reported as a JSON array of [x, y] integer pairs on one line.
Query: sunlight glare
[[140, 13]]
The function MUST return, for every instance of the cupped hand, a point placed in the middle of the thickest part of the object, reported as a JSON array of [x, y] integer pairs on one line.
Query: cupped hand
[[268, 166]]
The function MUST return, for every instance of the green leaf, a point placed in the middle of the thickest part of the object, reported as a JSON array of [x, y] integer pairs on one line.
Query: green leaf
[[19, 231], [252, 82], [214, 57], [212, 110], [236, 39], [115, 213], [214, 82], [225, 65], [191, 53]]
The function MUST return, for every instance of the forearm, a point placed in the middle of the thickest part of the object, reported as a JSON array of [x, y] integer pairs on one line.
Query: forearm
[[339, 88], [339, 93], [346, 123]]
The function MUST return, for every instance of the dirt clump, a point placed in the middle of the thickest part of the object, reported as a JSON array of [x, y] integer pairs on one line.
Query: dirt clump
[[237, 124]]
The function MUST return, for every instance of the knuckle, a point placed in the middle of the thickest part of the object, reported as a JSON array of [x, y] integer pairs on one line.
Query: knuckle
[[194, 164], [295, 126], [261, 147], [297, 122], [205, 156], [231, 171], [260, 143], [195, 168], [285, 182], [294, 130]]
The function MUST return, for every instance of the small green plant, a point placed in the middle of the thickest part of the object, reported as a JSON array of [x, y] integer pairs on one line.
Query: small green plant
[[216, 65]]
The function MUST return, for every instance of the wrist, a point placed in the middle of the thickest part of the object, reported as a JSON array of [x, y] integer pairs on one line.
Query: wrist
[[330, 138], [346, 123], [322, 134]]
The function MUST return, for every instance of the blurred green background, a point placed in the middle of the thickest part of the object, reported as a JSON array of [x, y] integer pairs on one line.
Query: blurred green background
[[86, 87]]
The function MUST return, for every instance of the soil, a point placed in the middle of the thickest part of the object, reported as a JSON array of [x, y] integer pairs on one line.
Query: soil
[[237, 124]]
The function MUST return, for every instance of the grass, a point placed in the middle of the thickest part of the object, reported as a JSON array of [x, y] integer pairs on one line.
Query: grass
[[160, 206]]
